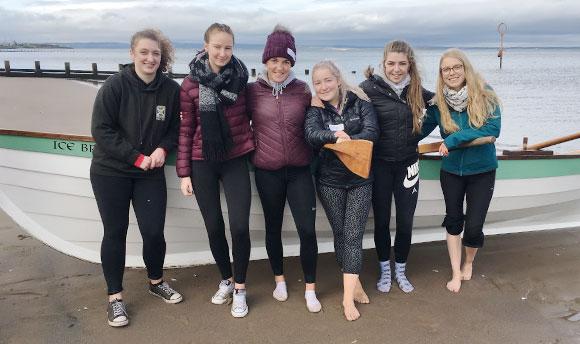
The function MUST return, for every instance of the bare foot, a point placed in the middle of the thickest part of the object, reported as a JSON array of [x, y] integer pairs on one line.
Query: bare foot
[[350, 311], [455, 284], [466, 271], [359, 294]]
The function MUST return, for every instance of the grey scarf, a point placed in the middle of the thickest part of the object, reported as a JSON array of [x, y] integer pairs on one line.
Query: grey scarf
[[277, 87], [456, 99]]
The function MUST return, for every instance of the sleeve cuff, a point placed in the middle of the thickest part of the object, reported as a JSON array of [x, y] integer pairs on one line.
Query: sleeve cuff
[[139, 160], [164, 152]]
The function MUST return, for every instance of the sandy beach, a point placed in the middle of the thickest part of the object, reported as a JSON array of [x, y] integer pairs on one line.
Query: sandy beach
[[526, 289]]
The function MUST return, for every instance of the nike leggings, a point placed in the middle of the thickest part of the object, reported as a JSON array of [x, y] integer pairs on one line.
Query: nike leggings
[[401, 180]]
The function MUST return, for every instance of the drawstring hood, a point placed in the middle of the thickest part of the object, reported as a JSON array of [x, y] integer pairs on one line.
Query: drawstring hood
[[277, 87]]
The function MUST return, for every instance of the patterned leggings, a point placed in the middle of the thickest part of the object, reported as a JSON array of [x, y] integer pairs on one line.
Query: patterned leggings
[[347, 211]]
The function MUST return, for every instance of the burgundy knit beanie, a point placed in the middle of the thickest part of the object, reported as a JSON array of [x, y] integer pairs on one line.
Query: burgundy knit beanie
[[280, 43]]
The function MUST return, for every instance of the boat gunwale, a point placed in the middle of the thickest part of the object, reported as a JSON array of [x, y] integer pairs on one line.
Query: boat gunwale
[[82, 138], [36, 134]]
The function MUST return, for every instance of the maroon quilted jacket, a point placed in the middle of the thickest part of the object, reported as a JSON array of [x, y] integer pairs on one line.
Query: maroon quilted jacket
[[278, 125], [190, 131]]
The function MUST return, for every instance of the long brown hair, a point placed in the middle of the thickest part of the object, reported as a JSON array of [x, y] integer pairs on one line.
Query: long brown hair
[[414, 91], [164, 45], [481, 101]]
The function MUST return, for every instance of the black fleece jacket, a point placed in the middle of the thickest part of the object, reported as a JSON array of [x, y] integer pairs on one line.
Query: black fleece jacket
[[131, 118], [360, 123]]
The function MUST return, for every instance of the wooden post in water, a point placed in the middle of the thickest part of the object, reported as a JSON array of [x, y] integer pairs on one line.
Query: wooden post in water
[[95, 70], [170, 72], [253, 72], [306, 72], [501, 32], [37, 67], [120, 66], [7, 66], [67, 68]]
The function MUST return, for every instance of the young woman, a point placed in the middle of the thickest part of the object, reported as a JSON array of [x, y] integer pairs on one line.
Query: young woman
[[347, 115], [399, 100], [214, 139], [135, 124], [466, 109], [277, 104]]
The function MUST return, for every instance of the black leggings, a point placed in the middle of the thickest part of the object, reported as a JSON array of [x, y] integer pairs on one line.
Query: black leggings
[[477, 189], [400, 179], [149, 198], [347, 211], [294, 183], [235, 178]]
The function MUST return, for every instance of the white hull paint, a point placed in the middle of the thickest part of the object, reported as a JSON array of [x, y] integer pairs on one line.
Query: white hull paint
[[51, 197]]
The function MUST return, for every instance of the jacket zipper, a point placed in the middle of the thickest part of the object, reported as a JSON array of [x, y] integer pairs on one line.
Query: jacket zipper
[[282, 127], [462, 150]]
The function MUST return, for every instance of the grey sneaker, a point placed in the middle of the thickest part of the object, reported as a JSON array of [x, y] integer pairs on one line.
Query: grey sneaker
[[117, 313], [239, 305], [164, 291], [224, 293]]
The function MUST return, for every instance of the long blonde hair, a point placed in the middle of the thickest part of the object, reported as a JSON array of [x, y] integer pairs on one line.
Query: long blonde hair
[[481, 103], [344, 86], [415, 91]]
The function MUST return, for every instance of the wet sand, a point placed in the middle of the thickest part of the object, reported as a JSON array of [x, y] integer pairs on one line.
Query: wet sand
[[526, 289]]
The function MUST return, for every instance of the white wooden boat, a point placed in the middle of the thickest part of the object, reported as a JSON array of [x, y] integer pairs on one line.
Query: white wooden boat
[[45, 188]]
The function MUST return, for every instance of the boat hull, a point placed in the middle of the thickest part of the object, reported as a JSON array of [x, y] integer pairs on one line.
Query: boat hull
[[45, 188]]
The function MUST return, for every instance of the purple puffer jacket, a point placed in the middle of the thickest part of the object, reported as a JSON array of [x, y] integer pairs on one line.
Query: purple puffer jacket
[[278, 125], [190, 131]]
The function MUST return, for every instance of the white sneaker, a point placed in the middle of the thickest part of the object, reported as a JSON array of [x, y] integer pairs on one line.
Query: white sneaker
[[239, 305], [224, 293]]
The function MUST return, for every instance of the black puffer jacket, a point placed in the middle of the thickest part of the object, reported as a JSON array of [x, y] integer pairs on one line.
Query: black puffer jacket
[[397, 142], [360, 123]]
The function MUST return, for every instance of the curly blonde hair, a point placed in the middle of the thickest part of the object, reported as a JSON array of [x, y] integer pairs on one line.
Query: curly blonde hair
[[164, 45]]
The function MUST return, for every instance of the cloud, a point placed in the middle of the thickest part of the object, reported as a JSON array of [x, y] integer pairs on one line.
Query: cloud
[[313, 22]]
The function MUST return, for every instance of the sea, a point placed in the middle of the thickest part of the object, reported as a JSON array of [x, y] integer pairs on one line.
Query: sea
[[539, 87]]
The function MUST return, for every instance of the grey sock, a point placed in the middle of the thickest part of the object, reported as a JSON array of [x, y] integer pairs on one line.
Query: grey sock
[[384, 283], [402, 280]]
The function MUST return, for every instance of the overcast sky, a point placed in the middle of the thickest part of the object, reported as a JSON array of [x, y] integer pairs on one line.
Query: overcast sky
[[322, 22]]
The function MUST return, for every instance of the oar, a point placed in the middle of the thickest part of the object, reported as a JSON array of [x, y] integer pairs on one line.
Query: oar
[[355, 155], [434, 146], [553, 142]]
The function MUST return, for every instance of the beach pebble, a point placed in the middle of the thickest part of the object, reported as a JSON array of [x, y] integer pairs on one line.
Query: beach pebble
[[85, 308], [435, 270], [194, 275], [574, 317], [524, 298], [173, 280]]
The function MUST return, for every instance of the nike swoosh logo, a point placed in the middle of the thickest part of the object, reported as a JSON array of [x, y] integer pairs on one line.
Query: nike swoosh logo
[[409, 183]]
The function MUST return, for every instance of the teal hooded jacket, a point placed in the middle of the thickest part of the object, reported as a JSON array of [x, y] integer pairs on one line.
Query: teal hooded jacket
[[470, 160]]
